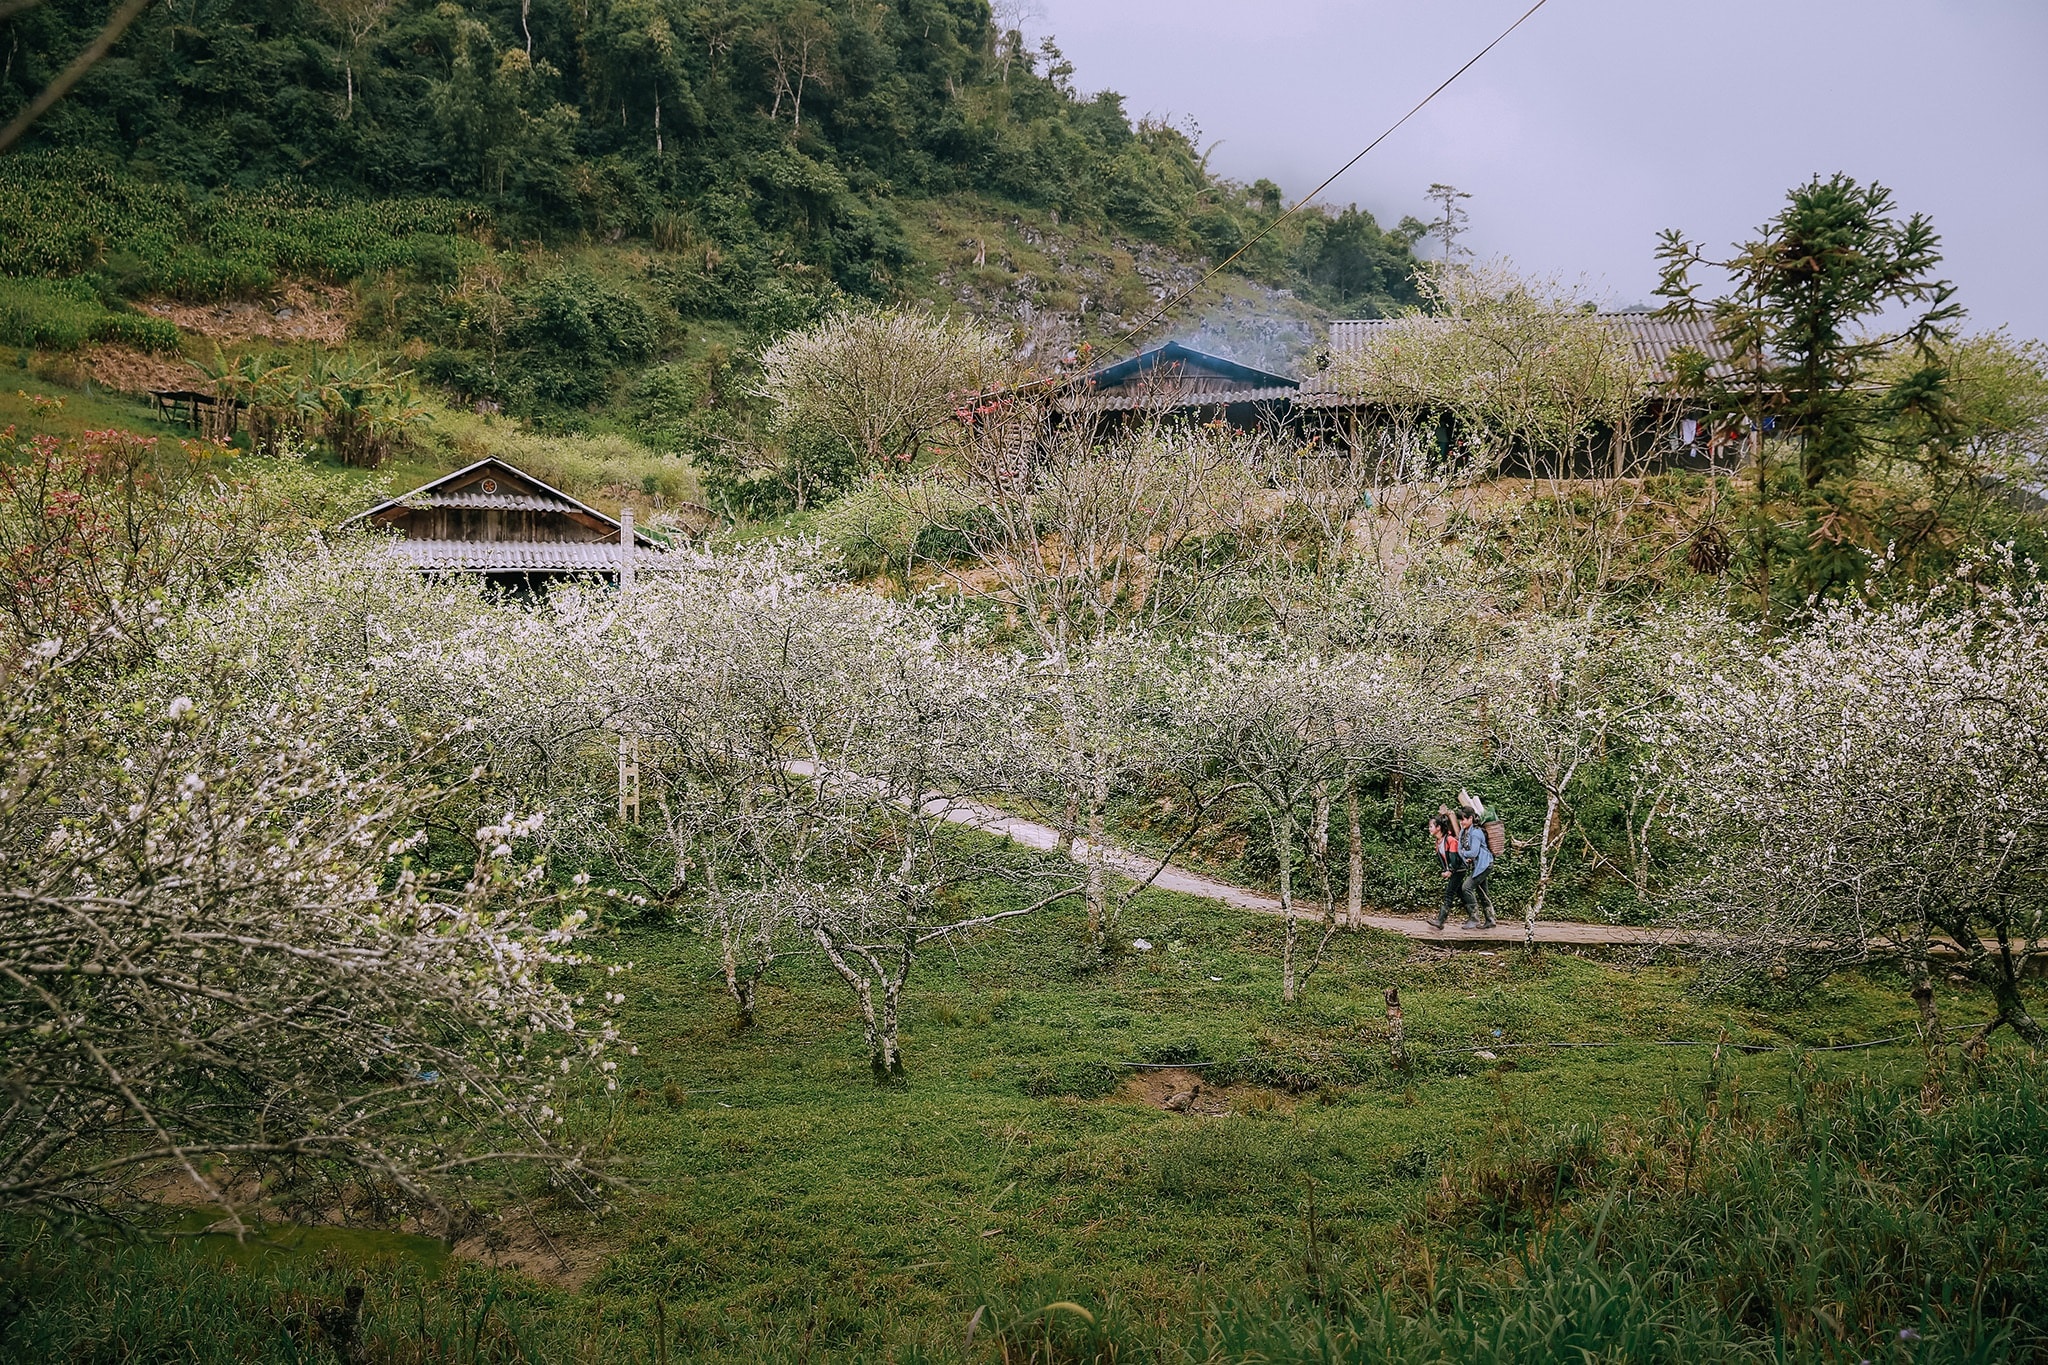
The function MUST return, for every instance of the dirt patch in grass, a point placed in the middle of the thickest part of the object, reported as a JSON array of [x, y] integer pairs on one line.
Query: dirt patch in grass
[[511, 1241], [127, 370], [516, 1242], [1176, 1091], [293, 312]]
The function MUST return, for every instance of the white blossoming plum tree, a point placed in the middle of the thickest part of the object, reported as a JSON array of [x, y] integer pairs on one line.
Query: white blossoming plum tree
[[1873, 787], [1285, 727], [229, 950], [813, 751], [1086, 541], [1560, 690]]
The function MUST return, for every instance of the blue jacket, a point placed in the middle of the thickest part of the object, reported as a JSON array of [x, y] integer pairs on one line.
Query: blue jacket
[[1472, 845]]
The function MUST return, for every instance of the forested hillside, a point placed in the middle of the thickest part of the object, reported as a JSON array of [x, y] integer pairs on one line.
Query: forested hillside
[[776, 141], [593, 214]]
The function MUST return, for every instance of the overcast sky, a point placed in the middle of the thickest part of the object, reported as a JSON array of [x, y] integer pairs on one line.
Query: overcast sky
[[1601, 121]]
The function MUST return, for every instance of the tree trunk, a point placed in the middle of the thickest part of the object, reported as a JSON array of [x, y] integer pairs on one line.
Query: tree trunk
[[740, 988], [864, 994], [1543, 868], [1098, 891], [870, 1027], [2012, 1007], [1354, 884], [890, 1060], [1283, 845], [1930, 1040]]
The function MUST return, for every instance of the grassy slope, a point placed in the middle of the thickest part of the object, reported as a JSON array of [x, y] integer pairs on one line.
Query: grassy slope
[[781, 1203], [1060, 283], [74, 410], [781, 1183]]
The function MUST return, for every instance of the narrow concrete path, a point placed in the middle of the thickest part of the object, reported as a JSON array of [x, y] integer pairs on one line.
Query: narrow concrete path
[[1031, 834]]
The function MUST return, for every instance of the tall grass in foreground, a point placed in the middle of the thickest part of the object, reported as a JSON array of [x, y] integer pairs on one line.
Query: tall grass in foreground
[[1838, 1222]]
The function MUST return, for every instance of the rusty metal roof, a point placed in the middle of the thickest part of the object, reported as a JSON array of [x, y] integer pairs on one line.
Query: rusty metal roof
[[1653, 338], [464, 489], [493, 502], [521, 556]]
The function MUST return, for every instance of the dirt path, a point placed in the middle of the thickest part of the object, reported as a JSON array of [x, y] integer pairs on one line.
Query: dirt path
[[1031, 834]]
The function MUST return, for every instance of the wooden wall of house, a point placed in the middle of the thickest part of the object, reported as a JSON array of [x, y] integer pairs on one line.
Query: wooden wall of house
[[491, 524]]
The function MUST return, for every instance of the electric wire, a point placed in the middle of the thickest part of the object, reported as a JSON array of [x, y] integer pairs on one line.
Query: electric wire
[[1309, 198]]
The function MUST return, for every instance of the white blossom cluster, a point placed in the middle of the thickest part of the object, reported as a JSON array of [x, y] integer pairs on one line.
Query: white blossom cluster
[[1873, 786], [230, 945], [802, 748]]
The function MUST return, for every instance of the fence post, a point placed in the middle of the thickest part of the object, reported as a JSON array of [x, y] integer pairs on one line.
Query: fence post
[[1395, 1037], [629, 777]]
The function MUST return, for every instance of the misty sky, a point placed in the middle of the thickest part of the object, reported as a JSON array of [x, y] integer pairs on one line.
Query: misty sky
[[1601, 121]]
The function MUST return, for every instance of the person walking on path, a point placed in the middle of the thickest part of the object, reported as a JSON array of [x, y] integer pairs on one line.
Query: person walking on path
[[1445, 828], [1478, 859]]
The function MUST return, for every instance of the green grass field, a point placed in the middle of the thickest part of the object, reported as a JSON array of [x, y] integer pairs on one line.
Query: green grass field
[[777, 1204]]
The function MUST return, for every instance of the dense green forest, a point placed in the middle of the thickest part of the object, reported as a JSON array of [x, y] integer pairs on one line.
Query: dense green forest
[[777, 138]]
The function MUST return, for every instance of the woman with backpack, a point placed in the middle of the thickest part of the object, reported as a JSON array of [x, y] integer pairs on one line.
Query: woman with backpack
[[1478, 857]]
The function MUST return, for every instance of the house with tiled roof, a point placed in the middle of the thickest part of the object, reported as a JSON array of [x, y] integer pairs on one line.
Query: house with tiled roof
[[493, 519]]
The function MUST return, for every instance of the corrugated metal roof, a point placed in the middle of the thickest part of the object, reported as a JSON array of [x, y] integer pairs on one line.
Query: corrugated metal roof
[[1173, 399], [1175, 353], [521, 556], [1653, 338], [494, 502]]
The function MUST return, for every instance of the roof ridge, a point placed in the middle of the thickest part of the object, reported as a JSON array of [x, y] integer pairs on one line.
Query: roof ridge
[[1137, 364], [574, 504]]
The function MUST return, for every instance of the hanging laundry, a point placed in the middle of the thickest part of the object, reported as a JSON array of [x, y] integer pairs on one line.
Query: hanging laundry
[[1687, 430]]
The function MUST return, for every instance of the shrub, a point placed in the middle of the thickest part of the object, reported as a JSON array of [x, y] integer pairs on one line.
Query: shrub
[[62, 315], [65, 214], [49, 315], [142, 332]]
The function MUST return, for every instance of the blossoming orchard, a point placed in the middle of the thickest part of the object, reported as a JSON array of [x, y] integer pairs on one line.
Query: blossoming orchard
[[1375, 878]]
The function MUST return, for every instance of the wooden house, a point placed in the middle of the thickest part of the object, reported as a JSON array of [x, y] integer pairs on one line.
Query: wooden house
[[1176, 381], [1182, 381], [492, 519], [1670, 430]]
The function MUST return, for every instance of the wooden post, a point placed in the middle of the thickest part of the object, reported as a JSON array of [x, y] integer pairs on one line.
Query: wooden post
[[1395, 1038], [626, 539], [1354, 878]]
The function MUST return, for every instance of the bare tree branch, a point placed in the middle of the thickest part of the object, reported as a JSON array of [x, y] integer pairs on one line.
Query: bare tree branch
[[72, 74]]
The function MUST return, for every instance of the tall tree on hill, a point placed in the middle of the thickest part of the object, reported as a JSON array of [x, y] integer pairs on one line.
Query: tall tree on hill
[[1806, 303], [357, 20]]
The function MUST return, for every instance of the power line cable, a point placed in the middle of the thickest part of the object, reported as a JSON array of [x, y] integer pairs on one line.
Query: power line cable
[[1310, 197]]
